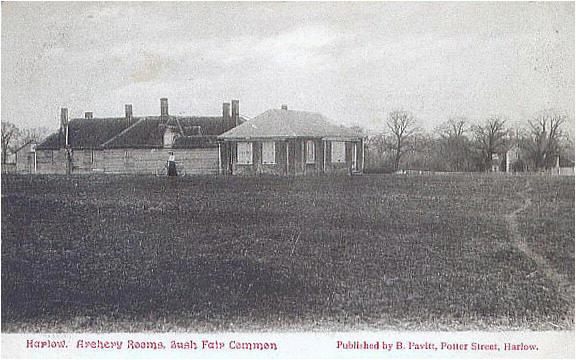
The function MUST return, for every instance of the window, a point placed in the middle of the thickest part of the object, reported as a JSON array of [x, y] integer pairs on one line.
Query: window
[[310, 156], [268, 152], [245, 153], [338, 151]]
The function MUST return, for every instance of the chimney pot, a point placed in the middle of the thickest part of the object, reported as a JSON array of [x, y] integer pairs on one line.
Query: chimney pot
[[88, 115], [284, 107], [164, 107]]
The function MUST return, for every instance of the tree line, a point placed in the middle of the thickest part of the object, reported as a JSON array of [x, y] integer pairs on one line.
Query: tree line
[[14, 137], [457, 145]]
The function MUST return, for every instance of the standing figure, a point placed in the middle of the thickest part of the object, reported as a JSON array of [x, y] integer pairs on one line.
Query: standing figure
[[172, 165]]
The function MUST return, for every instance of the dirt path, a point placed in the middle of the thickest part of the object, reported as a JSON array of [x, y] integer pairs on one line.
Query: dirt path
[[560, 282]]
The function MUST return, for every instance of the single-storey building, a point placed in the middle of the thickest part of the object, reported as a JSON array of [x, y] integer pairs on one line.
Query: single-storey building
[[26, 157], [290, 142], [132, 144]]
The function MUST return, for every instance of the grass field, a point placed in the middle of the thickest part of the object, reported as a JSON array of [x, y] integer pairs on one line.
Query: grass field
[[548, 225], [428, 252]]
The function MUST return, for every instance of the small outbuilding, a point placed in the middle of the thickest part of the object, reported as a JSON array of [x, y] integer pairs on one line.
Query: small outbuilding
[[290, 142], [26, 158]]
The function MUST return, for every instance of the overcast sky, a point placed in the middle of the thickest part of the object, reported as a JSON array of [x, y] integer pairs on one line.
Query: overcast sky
[[353, 62]]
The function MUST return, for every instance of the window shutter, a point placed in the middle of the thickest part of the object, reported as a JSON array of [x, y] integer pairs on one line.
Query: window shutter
[[338, 151], [268, 152], [245, 153], [310, 152]]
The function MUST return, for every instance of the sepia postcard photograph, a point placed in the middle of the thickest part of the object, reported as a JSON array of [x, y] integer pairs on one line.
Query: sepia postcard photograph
[[287, 179]]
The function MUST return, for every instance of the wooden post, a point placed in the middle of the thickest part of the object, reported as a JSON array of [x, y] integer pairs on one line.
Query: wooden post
[[68, 161], [287, 157], [354, 156], [351, 167], [303, 158], [363, 155], [230, 156], [219, 159], [325, 155]]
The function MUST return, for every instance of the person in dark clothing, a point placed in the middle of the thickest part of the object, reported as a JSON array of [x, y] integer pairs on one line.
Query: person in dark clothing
[[172, 165]]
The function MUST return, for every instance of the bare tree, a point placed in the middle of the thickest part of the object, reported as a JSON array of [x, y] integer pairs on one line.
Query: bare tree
[[455, 127], [35, 134], [377, 153], [454, 144], [10, 135], [403, 126], [359, 130], [543, 142], [424, 153], [490, 138]]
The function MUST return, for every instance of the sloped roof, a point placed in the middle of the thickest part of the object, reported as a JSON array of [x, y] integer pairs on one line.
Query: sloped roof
[[280, 123], [144, 132], [149, 132], [23, 145], [86, 133], [50, 143]]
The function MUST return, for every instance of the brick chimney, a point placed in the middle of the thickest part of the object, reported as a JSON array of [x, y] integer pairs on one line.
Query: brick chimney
[[284, 107], [88, 115], [164, 107], [128, 112], [236, 112], [226, 110], [64, 127]]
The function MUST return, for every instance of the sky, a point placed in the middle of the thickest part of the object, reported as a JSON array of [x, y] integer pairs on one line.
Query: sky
[[353, 62]]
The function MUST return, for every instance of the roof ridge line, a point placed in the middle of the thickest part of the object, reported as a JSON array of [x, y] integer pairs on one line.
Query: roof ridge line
[[26, 143], [99, 118], [123, 132], [180, 126]]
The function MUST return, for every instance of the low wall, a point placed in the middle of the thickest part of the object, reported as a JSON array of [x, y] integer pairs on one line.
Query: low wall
[[563, 171]]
